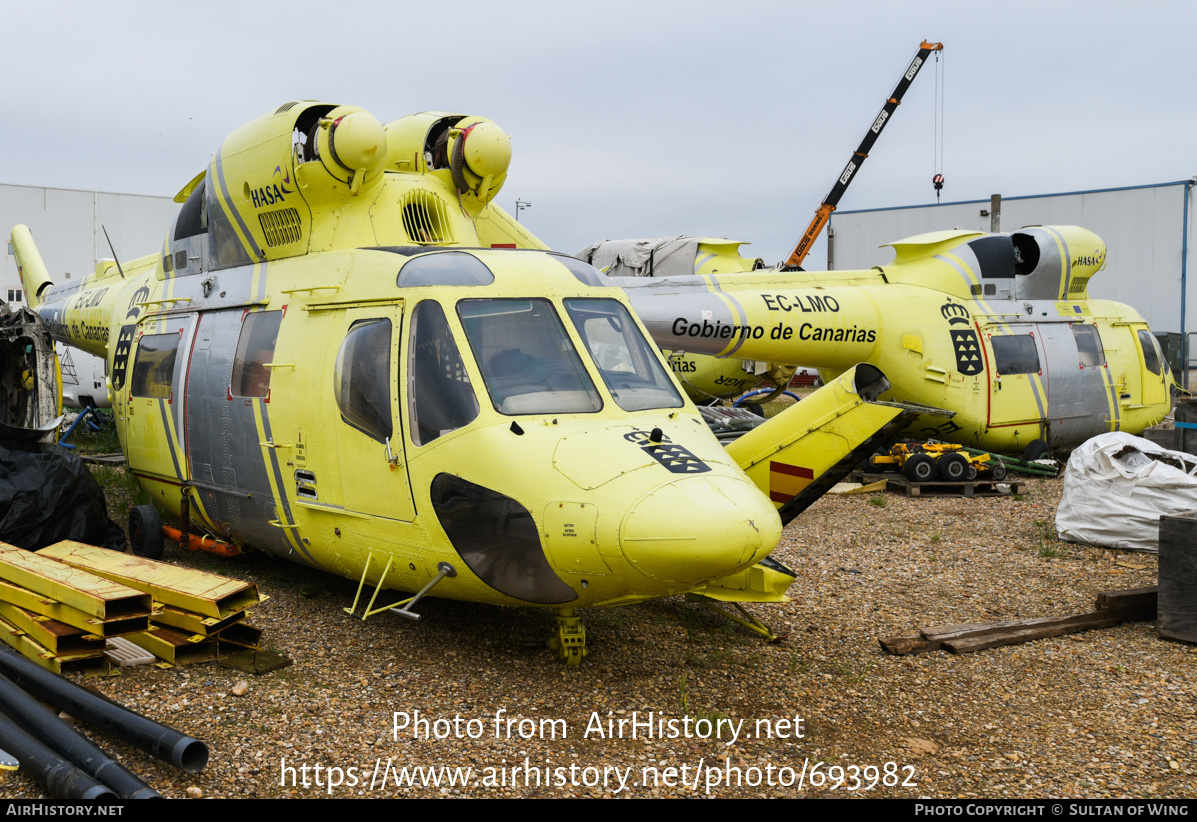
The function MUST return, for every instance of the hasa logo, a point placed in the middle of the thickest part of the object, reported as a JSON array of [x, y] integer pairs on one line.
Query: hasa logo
[[1090, 259], [286, 179], [273, 193]]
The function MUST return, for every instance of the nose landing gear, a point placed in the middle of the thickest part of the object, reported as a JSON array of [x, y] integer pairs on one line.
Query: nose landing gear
[[570, 642]]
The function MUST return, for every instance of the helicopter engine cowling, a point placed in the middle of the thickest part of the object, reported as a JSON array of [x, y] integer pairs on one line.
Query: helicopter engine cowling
[[268, 179], [1056, 262]]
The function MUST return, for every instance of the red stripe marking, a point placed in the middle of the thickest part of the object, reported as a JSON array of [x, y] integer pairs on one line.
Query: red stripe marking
[[792, 470]]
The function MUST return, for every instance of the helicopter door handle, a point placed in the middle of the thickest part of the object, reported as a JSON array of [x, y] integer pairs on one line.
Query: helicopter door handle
[[391, 457]]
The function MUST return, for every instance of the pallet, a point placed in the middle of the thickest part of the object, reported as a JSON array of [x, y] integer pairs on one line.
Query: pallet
[[975, 488]]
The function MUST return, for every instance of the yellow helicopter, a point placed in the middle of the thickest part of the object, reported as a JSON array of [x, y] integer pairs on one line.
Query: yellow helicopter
[[344, 354], [705, 379], [998, 328]]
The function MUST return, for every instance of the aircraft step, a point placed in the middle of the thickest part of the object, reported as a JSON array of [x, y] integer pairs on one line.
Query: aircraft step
[[976, 488]]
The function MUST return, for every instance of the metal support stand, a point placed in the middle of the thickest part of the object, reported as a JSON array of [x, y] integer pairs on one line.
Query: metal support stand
[[403, 607], [748, 620]]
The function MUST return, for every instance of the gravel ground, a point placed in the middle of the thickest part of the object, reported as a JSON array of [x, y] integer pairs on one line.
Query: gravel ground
[[1102, 714]]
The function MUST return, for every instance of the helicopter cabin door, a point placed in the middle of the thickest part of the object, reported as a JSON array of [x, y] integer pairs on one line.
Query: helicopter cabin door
[[365, 383], [1077, 396], [238, 473], [152, 413], [1018, 378], [1153, 365]]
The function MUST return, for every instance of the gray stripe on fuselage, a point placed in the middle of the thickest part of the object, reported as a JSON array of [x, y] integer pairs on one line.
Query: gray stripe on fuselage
[[1067, 259], [170, 443], [272, 464], [228, 201]]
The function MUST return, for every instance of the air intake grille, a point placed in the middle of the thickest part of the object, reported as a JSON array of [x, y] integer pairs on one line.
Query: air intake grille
[[425, 219], [281, 227]]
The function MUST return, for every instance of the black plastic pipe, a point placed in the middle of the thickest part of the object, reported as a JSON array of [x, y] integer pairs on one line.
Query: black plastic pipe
[[45, 726], [60, 778], [186, 753]]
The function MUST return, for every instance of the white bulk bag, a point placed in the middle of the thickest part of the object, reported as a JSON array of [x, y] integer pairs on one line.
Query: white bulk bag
[[1116, 487]]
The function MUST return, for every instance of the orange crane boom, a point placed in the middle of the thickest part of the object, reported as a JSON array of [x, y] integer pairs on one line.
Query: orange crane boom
[[823, 214]]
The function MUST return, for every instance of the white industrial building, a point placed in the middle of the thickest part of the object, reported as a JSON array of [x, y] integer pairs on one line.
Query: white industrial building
[[1147, 230], [68, 226]]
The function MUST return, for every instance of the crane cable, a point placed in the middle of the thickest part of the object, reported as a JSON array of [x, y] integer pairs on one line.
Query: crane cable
[[937, 179]]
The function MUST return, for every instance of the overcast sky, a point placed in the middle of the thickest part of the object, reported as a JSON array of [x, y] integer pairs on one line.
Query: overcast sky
[[634, 119]]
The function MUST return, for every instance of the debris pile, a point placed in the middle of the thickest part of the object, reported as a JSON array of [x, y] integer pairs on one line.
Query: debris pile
[[60, 617], [58, 607], [195, 612]]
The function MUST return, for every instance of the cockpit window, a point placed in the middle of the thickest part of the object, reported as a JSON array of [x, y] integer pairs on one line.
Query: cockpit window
[[584, 271], [527, 360], [446, 268], [1088, 345], [629, 366], [363, 378], [1151, 354], [439, 393]]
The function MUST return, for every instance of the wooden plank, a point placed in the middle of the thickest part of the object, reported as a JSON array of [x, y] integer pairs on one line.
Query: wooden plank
[[960, 632], [198, 591], [102, 598], [903, 645], [1133, 603], [1018, 636], [1119, 606], [104, 459]]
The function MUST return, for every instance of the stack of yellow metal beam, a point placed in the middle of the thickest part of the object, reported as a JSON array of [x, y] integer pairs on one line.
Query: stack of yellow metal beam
[[194, 611], [59, 616]]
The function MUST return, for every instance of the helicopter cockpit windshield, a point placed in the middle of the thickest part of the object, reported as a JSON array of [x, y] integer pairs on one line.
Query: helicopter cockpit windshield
[[631, 370], [527, 361], [530, 364]]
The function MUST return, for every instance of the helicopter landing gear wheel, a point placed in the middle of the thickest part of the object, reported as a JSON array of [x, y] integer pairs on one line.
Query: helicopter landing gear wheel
[[570, 642], [145, 532], [1036, 450]]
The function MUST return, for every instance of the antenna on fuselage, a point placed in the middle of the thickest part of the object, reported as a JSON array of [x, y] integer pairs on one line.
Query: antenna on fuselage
[[113, 250]]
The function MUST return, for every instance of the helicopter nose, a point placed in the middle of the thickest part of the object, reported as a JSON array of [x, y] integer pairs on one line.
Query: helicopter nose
[[698, 528]]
